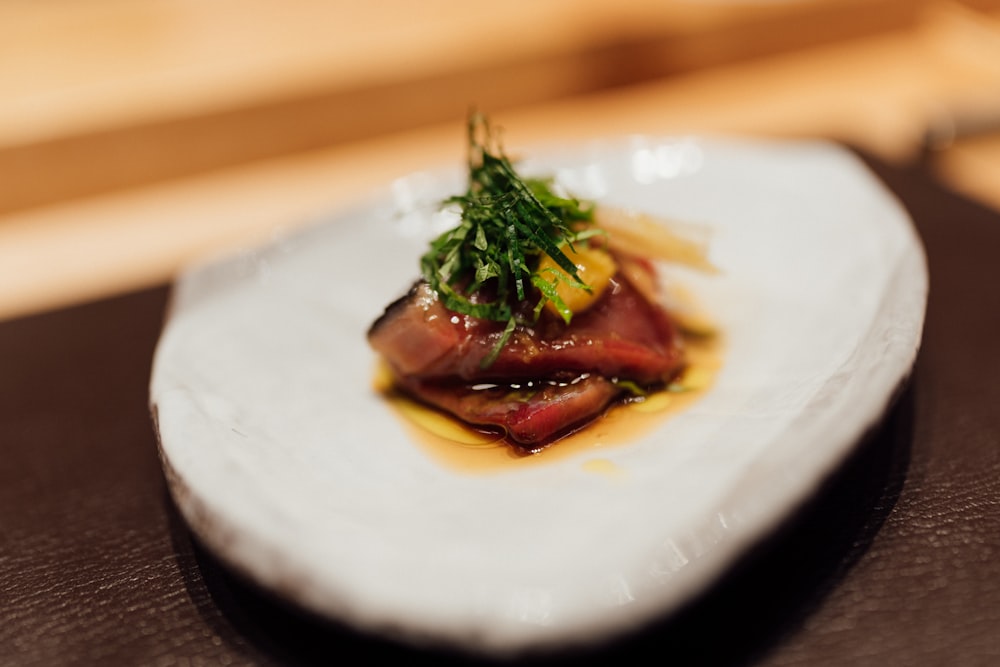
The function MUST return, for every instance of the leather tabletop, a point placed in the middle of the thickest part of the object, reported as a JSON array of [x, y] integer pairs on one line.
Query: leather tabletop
[[895, 562]]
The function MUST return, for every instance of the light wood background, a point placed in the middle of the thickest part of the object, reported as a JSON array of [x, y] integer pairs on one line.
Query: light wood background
[[139, 135]]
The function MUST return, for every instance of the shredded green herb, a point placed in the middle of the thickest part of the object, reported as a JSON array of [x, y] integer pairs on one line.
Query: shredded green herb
[[507, 224]]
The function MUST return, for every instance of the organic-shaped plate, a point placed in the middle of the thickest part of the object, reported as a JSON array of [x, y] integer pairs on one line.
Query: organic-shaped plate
[[292, 469]]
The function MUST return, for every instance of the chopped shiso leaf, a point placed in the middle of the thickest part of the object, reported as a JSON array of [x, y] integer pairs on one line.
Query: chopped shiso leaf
[[508, 223]]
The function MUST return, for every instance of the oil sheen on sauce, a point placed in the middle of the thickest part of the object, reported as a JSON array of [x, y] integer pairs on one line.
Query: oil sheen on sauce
[[466, 449]]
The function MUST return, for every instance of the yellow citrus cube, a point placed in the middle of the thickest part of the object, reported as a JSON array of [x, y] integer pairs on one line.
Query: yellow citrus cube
[[595, 267]]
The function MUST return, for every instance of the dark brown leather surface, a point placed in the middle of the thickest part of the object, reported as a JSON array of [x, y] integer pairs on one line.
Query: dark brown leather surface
[[897, 562]]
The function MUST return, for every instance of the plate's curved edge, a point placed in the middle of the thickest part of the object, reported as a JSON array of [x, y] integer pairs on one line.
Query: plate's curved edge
[[766, 520], [242, 553], [911, 282], [910, 286]]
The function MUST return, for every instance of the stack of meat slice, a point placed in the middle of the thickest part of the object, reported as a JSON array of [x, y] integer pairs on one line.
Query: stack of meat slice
[[548, 380]]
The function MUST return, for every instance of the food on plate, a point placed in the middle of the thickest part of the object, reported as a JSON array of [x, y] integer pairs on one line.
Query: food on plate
[[537, 311]]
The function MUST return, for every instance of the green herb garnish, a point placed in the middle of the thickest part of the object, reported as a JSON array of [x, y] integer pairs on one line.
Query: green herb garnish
[[507, 224]]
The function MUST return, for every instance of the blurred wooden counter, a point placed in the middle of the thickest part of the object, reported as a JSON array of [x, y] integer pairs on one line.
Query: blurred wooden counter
[[163, 88], [136, 136]]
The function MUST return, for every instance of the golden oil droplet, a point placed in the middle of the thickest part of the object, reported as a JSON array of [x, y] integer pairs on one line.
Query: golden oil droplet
[[696, 378], [655, 403], [382, 378], [603, 467]]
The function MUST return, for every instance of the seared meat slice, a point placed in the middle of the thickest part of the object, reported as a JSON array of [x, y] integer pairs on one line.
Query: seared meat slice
[[621, 336], [547, 379], [532, 414]]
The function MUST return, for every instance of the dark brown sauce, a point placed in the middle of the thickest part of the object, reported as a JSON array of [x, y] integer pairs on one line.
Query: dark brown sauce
[[465, 449]]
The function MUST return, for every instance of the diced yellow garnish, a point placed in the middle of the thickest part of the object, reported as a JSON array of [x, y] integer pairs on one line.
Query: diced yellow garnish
[[596, 268]]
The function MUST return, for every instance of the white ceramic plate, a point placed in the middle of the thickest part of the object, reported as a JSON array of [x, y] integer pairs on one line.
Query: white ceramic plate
[[287, 464]]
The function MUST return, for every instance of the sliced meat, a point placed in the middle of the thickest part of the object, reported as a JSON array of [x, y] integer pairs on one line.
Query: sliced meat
[[417, 331], [548, 378], [531, 415], [622, 335]]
